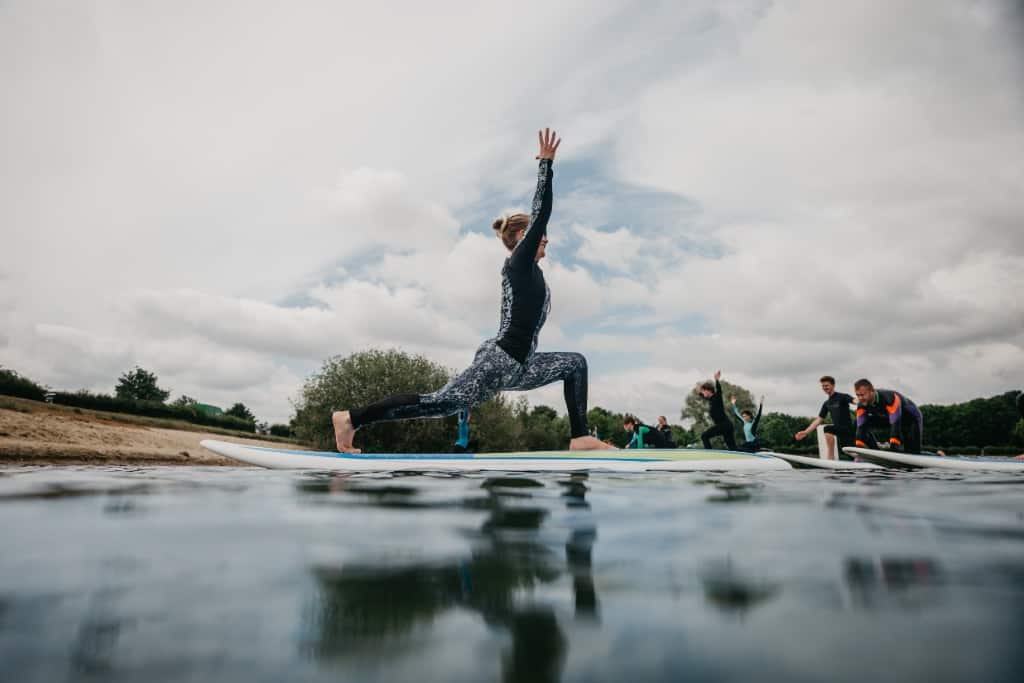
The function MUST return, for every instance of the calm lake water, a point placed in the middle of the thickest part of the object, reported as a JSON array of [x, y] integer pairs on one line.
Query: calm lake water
[[237, 574]]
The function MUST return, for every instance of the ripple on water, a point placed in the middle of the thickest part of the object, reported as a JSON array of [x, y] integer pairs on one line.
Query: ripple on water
[[127, 574]]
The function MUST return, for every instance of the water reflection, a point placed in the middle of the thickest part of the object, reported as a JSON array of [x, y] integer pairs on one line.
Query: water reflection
[[729, 590], [878, 581], [366, 608]]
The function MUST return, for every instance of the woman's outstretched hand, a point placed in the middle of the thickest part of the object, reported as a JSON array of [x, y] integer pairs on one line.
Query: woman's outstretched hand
[[549, 142]]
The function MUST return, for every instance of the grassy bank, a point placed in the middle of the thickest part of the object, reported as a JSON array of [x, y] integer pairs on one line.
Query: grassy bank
[[22, 405]]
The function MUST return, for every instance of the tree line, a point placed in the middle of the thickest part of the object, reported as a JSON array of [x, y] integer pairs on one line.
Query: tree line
[[138, 392], [503, 423], [506, 424]]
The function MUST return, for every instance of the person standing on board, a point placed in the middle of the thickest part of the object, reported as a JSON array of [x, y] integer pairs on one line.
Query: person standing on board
[[750, 421], [509, 361], [885, 407], [838, 405], [723, 426]]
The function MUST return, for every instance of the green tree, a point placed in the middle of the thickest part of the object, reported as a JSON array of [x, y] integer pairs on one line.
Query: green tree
[[280, 430], [183, 401], [240, 411], [140, 385], [361, 379], [13, 384], [777, 430], [978, 422], [695, 409]]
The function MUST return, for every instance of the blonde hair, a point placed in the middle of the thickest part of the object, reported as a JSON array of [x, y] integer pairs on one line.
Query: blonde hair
[[507, 228]]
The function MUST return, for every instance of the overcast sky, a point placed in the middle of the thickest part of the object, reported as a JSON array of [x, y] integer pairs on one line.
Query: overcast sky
[[229, 192]]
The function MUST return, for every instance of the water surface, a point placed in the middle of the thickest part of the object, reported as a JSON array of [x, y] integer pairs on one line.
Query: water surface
[[239, 574]]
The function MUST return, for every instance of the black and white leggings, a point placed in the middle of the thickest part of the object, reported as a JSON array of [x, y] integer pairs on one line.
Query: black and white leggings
[[493, 370]]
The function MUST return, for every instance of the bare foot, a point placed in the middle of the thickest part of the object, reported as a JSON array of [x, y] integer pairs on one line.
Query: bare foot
[[344, 431], [589, 443]]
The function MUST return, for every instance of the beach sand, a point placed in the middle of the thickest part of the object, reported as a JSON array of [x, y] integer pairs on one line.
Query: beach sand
[[36, 434]]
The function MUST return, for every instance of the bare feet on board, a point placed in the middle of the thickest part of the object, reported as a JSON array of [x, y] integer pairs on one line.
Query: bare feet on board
[[343, 431], [589, 443]]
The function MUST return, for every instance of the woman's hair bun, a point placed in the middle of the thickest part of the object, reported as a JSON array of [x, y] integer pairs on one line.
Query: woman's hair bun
[[499, 223]]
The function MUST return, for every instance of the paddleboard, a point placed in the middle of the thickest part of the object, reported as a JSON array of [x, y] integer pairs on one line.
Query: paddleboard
[[802, 461], [679, 460], [949, 462]]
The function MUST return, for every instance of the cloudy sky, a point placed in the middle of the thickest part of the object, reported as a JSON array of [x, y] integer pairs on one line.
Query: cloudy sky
[[227, 193]]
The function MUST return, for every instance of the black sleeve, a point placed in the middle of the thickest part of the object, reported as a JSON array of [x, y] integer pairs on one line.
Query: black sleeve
[[823, 413], [757, 418], [525, 252], [717, 398]]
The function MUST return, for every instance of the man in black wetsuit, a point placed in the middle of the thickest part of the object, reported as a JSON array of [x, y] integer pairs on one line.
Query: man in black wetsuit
[[887, 408], [838, 406], [723, 426]]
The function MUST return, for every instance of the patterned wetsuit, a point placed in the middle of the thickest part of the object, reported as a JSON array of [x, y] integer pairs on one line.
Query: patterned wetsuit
[[892, 409], [508, 362]]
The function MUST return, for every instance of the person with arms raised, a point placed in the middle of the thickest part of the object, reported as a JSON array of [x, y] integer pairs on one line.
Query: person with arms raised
[[509, 361]]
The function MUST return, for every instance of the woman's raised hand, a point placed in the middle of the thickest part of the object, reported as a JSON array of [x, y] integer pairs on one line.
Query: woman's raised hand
[[549, 142]]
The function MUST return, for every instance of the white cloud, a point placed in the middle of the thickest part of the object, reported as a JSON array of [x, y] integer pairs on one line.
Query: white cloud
[[825, 187]]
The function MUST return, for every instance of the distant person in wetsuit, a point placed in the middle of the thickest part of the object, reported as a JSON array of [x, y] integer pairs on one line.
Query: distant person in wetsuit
[[462, 443], [510, 360], [750, 421], [838, 405], [723, 426], [644, 436], [666, 432], [887, 408]]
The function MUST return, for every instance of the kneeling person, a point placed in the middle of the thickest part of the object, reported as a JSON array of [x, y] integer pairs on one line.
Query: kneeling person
[[643, 435], [885, 407]]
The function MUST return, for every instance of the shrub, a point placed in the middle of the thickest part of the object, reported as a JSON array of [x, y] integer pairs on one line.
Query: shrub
[[13, 384]]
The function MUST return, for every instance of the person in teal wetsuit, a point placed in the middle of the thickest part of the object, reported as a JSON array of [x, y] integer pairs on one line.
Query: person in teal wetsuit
[[750, 422], [643, 435]]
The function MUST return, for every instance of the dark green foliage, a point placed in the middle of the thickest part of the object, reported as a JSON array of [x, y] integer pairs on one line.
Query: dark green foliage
[[777, 430], [85, 399], [281, 430], [241, 412], [609, 426], [140, 385], [13, 384], [183, 401], [982, 421]]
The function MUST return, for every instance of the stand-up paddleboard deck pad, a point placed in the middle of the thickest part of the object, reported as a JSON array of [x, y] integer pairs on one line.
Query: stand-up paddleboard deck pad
[[802, 461], [680, 460], [948, 462]]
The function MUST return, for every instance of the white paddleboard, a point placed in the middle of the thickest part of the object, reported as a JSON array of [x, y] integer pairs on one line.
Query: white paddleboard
[[799, 461], [639, 460], [949, 462]]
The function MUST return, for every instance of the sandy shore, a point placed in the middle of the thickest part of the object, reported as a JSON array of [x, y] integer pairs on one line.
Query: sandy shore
[[44, 435]]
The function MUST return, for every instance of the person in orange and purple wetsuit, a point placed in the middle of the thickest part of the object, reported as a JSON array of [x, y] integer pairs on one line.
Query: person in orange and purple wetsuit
[[887, 408]]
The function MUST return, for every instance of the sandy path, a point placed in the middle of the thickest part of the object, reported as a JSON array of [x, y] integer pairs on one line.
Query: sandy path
[[46, 437]]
